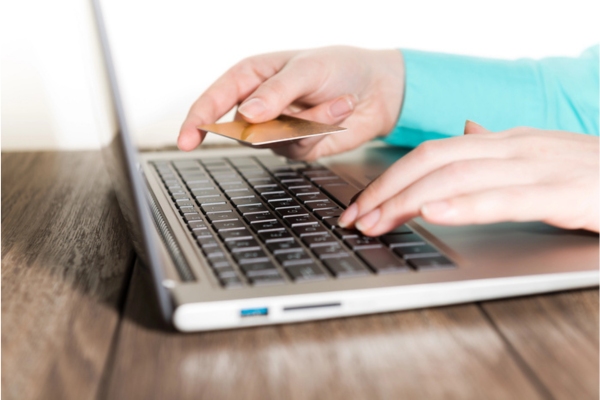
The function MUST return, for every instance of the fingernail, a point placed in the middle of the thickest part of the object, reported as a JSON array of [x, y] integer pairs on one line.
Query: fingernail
[[475, 127], [348, 216], [252, 108], [438, 210], [369, 220], [341, 107]]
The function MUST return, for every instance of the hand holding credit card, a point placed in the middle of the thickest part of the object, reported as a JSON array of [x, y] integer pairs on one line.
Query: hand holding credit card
[[282, 128]]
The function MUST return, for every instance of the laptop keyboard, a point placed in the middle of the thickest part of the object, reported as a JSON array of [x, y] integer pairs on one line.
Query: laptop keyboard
[[266, 221]]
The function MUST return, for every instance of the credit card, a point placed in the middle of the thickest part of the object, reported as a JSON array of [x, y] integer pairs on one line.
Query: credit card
[[282, 128]]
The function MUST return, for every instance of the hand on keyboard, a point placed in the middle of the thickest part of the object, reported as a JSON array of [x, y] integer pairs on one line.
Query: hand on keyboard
[[521, 174]]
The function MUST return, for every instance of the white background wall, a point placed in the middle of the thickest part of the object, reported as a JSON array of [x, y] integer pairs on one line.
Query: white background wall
[[168, 52]]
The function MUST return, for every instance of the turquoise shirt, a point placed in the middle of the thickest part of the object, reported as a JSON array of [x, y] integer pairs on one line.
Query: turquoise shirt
[[443, 91]]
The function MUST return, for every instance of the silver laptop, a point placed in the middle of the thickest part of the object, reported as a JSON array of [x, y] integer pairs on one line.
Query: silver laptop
[[239, 237]]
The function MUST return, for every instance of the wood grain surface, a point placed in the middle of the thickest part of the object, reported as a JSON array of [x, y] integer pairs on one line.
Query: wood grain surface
[[556, 336], [442, 353], [65, 263], [76, 324]]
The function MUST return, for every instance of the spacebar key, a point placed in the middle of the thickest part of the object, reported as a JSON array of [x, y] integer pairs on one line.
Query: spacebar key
[[341, 193]]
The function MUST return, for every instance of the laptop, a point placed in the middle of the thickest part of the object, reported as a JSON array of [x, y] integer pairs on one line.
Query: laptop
[[239, 237]]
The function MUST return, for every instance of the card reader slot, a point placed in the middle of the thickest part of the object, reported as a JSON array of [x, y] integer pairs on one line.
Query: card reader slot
[[311, 306]]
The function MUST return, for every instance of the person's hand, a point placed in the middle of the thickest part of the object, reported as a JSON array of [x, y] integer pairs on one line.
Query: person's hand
[[360, 89], [521, 174]]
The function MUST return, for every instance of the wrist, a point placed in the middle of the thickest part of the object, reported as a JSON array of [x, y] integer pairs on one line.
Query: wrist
[[391, 87]]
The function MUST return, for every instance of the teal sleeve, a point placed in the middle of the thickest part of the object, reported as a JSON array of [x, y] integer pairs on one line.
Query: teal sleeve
[[443, 91]]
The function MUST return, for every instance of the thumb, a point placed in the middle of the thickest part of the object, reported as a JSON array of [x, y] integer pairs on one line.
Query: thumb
[[473, 127], [272, 97]]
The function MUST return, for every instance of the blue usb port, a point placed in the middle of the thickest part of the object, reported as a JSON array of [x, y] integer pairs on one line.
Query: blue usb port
[[254, 312]]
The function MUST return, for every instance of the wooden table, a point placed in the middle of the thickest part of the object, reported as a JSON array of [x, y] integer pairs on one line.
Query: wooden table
[[79, 322]]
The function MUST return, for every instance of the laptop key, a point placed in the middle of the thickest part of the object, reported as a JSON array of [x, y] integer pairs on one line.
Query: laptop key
[[267, 226], [205, 192], [199, 182], [222, 216], [232, 193], [318, 240], [255, 173], [206, 241], [216, 198], [275, 236], [220, 264], [304, 191], [332, 250], [294, 183], [363, 242], [305, 273], [382, 260], [276, 196], [284, 204], [197, 225], [186, 210], [402, 239], [320, 204], [330, 182], [343, 233], [242, 161], [331, 222], [242, 245], [268, 189], [315, 173], [295, 258], [252, 209], [228, 179], [307, 230], [231, 283], [215, 208], [250, 256], [289, 211], [235, 234], [284, 247], [312, 197], [299, 220], [192, 217], [259, 269], [329, 213], [260, 217], [226, 273], [227, 225], [262, 181], [431, 263], [345, 267], [416, 251], [245, 200]]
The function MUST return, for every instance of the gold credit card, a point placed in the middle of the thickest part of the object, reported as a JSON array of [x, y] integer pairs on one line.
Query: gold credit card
[[280, 129]]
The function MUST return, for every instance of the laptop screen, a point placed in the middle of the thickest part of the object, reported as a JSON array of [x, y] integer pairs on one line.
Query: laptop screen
[[122, 163]]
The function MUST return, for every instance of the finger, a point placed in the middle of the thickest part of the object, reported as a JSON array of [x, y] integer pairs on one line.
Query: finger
[[273, 96], [231, 88], [512, 203], [310, 149], [426, 158], [458, 178], [473, 127], [331, 112]]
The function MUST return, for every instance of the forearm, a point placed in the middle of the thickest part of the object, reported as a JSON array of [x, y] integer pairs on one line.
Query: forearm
[[442, 91]]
